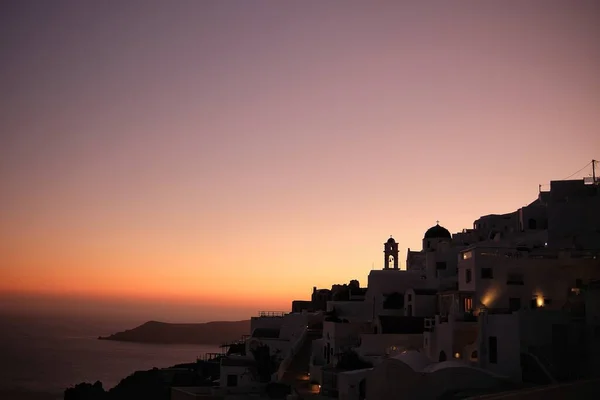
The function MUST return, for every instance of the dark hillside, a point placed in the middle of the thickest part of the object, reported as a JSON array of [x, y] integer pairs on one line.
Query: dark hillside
[[217, 332]]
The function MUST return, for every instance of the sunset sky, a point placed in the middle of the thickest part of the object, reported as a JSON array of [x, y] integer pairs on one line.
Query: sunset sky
[[194, 160]]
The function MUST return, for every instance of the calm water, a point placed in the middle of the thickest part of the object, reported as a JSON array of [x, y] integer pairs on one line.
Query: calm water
[[50, 354]]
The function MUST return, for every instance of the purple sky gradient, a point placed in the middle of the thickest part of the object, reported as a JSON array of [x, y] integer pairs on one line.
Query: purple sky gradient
[[263, 147]]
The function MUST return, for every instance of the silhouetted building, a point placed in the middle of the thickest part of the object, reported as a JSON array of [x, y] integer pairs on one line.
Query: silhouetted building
[[573, 215]]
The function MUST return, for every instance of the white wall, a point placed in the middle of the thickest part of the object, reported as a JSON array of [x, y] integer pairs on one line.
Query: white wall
[[342, 336], [505, 327], [381, 344], [265, 322], [292, 326], [535, 326], [244, 376], [353, 311], [349, 383], [291, 352], [443, 338], [423, 305], [384, 282], [547, 278], [444, 253]]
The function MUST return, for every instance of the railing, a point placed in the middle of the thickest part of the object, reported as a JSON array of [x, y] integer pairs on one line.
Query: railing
[[271, 313], [211, 357]]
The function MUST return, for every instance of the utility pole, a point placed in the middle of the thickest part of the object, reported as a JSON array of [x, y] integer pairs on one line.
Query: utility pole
[[594, 172]]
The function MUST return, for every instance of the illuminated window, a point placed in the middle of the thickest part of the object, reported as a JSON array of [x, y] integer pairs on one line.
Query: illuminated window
[[467, 254], [468, 304]]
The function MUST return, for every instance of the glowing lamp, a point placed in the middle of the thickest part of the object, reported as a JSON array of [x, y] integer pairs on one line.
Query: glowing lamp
[[540, 301]]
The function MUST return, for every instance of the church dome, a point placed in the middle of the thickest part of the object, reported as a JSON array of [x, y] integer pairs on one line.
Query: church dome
[[391, 240], [437, 232]]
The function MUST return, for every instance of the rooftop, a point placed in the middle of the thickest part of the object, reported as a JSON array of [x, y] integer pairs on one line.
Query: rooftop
[[437, 232]]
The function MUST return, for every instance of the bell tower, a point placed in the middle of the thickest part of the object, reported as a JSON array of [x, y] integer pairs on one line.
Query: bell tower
[[390, 251]]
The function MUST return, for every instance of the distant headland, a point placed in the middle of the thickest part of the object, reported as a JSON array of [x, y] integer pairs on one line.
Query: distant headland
[[216, 332]]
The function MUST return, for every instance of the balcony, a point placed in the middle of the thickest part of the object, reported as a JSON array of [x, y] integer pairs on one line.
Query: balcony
[[271, 313]]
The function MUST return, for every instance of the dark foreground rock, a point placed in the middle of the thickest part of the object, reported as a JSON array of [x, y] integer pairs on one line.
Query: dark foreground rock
[[154, 384]]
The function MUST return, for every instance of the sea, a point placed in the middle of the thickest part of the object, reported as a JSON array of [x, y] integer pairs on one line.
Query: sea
[[46, 355]]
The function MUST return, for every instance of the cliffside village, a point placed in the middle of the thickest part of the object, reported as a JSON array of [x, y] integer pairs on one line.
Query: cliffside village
[[511, 303]]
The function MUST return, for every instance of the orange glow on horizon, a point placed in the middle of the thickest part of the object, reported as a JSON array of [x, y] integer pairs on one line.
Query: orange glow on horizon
[[188, 167]]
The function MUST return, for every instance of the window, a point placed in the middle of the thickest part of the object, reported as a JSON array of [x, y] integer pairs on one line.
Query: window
[[232, 380], [440, 265], [547, 302], [493, 342], [324, 351], [468, 275], [410, 297], [514, 304], [468, 304], [486, 273], [467, 254]]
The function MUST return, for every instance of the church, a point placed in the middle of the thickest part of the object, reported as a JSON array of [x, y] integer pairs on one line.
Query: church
[[431, 269]]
